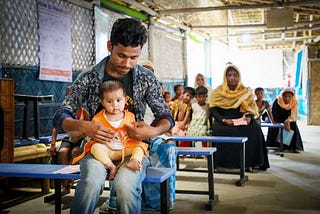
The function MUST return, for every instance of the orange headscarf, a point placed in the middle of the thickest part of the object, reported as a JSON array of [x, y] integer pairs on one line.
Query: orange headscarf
[[241, 96], [293, 105]]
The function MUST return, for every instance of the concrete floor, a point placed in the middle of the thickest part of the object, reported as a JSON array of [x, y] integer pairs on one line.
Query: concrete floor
[[291, 185]]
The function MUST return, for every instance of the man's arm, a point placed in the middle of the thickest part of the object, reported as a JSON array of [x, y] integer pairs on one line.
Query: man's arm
[[142, 131], [95, 130], [65, 120]]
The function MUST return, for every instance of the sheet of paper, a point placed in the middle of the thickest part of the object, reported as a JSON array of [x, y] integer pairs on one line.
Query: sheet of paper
[[239, 122], [165, 137], [69, 169]]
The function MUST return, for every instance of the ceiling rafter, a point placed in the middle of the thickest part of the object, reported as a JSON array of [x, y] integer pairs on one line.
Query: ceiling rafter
[[249, 17], [240, 7]]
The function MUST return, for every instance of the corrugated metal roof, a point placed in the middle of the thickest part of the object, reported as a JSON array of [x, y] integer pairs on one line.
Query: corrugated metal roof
[[242, 23]]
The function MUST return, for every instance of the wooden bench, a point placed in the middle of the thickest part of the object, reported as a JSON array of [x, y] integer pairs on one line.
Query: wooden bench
[[154, 175], [279, 126], [208, 151], [222, 139]]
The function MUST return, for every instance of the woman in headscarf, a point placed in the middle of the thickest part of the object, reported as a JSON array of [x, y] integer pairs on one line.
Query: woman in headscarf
[[200, 81], [234, 111], [285, 110]]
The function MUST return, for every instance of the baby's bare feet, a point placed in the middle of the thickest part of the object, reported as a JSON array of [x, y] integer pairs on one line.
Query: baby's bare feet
[[134, 164], [112, 170]]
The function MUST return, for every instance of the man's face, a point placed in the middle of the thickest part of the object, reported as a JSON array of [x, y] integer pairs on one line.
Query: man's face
[[123, 59]]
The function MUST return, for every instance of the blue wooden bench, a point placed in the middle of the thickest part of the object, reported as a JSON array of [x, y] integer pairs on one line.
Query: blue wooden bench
[[279, 126], [222, 139], [48, 138], [207, 151], [154, 175]]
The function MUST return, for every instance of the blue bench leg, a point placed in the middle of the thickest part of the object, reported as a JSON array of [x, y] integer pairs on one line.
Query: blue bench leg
[[212, 198], [243, 177], [164, 197], [57, 196]]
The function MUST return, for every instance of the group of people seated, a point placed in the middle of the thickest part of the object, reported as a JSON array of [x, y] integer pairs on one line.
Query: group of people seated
[[234, 111], [283, 110], [117, 93]]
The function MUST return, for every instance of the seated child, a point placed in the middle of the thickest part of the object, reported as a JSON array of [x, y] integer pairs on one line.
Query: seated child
[[113, 116], [70, 145], [167, 98], [200, 111], [181, 112]]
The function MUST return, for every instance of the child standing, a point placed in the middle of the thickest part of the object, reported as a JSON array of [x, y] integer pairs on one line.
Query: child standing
[[113, 116], [200, 111], [181, 112], [264, 108]]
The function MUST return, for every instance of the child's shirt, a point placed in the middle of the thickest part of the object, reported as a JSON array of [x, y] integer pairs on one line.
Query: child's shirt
[[120, 136], [264, 105], [198, 125]]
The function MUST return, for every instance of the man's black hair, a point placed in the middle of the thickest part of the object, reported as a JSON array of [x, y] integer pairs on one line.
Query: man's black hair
[[201, 90], [128, 32]]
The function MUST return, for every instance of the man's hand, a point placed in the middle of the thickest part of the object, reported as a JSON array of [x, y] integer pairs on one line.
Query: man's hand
[[96, 131], [140, 131]]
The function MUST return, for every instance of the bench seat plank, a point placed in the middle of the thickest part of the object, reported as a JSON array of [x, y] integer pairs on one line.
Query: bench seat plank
[[35, 171], [158, 175], [154, 175], [215, 139], [196, 151]]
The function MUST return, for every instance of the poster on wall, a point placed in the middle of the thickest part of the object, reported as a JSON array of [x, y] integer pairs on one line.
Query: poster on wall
[[55, 42]]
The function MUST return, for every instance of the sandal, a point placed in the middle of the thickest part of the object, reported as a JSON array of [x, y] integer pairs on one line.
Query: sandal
[[106, 209]]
